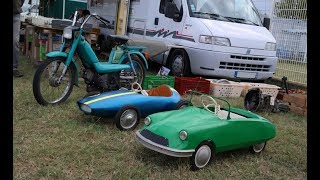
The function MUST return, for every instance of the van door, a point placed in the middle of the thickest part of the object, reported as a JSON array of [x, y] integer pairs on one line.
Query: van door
[[164, 28]]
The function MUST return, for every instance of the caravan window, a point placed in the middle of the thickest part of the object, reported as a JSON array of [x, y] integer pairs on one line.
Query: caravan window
[[163, 5]]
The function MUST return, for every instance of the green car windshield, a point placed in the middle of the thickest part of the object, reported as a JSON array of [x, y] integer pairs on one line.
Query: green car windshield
[[191, 92]]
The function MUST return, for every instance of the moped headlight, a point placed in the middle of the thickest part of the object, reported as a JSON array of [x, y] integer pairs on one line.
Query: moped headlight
[[67, 33], [85, 108], [270, 46], [147, 121], [183, 135]]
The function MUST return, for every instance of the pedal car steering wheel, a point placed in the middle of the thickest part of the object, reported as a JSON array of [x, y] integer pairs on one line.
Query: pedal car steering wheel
[[138, 89], [213, 104], [135, 84]]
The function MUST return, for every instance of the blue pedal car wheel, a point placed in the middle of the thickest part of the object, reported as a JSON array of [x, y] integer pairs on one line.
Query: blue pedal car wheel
[[127, 118], [182, 104]]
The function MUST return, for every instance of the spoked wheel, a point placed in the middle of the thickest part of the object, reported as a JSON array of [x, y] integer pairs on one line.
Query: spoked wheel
[[49, 87], [202, 156], [128, 75], [127, 118], [257, 148]]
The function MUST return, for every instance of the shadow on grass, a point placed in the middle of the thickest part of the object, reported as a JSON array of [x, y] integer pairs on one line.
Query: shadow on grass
[[167, 163], [88, 119]]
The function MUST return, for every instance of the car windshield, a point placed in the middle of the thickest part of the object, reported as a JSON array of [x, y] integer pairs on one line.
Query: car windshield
[[238, 11]]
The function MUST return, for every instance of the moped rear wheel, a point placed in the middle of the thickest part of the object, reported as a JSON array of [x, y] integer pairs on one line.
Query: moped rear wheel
[[48, 86], [139, 68]]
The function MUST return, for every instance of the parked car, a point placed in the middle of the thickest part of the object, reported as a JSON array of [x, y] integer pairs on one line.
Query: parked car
[[201, 132], [127, 106]]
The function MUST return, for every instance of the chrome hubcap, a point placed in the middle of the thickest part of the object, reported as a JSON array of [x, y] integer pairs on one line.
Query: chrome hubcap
[[258, 147], [202, 156], [177, 65], [128, 118]]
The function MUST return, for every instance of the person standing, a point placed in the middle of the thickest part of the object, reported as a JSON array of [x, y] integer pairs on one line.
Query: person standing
[[16, 34]]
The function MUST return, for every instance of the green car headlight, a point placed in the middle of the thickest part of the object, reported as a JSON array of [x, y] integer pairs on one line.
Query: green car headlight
[[147, 121], [183, 135]]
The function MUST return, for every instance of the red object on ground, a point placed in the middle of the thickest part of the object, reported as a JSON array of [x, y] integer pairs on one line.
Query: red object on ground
[[184, 84]]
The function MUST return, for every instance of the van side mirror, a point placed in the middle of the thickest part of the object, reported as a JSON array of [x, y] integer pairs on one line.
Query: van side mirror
[[171, 11], [266, 22]]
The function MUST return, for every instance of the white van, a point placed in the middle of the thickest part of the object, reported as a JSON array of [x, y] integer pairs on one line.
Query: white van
[[223, 38]]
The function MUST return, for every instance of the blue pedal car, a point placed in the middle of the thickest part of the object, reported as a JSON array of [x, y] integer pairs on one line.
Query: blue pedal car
[[128, 106]]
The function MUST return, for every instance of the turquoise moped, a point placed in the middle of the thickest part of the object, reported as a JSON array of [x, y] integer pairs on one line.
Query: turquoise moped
[[59, 72]]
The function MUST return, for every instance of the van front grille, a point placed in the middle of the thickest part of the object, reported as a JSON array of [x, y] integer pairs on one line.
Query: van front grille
[[247, 58], [246, 67]]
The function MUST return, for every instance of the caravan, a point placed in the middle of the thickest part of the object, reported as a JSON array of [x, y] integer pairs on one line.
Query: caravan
[[222, 38]]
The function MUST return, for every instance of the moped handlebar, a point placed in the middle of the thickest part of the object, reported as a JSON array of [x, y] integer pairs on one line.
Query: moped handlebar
[[101, 19], [74, 18]]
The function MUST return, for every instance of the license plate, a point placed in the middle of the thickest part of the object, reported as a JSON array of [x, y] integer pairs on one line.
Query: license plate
[[249, 75]]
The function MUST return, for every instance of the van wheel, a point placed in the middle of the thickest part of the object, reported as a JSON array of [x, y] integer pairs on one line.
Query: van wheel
[[179, 63]]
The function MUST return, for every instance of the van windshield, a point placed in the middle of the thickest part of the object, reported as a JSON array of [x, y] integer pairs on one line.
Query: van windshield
[[238, 11]]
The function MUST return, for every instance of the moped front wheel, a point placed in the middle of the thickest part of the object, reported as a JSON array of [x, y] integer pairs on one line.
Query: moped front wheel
[[49, 86]]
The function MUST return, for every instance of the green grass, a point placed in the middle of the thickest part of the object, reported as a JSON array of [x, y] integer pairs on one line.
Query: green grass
[[294, 71], [60, 142]]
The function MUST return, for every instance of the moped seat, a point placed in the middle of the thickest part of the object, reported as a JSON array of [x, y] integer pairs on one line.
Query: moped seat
[[118, 39], [135, 48]]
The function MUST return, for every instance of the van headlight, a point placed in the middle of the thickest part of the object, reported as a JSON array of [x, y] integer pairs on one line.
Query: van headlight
[[147, 121], [67, 33], [183, 135], [85, 108], [220, 41], [270, 46]]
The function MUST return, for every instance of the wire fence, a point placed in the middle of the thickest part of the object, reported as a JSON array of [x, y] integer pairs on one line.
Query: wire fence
[[289, 27]]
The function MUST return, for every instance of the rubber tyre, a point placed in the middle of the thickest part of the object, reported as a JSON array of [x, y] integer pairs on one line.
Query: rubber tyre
[[193, 164], [253, 150], [182, 103], [185, 60], [137, 59], [37, 76], [117, 118]]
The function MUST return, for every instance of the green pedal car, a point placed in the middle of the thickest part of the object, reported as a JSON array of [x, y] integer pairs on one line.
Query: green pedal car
[[201, 132]]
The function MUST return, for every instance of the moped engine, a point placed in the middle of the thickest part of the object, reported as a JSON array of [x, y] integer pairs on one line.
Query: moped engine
[[126, 78], [109, 82], [105, 82]]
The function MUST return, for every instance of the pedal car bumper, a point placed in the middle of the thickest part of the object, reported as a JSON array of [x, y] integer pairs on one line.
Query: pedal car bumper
[[162, 149]]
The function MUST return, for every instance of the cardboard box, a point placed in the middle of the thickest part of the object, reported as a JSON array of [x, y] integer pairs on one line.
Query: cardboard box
[[298, 110], [300, 100]]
